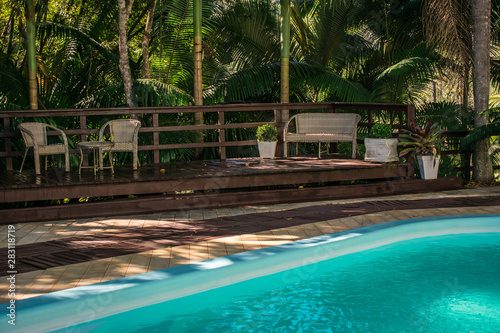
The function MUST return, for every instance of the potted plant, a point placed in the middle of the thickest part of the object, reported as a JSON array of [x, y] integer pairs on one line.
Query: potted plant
[[380, 145], [267, 137], [424, 143]]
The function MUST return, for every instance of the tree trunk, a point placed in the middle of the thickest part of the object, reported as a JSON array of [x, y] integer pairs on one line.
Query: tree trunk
[[285, 66], [198, 72], [146, 39], [31, 53], [285, 53], [198, 53], [481, 31], [124, 8]]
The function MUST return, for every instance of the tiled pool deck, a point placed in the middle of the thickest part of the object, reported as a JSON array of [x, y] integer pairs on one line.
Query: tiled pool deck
[[63, 277]]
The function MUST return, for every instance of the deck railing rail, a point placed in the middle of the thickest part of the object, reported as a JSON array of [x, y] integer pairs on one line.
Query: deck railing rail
[[9, 131], [399, 116]]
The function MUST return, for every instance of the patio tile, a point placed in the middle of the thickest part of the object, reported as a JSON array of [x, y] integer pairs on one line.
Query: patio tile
[[250, 242], [117, 268], [198, 252], [324, 227], [267, 238], [350, 222], [376, 218], [153, 222], [282, 236], [337, 225], [486, 210], [137, 222], [181, 215], [234, 245], [216, 248], [362, 220], [34, 235], [297, 232], [139, 263], [95, 271], [167, 216], [311, 230], [24, 282], [180, 256], [209, 214], [71, 276], [160, 259], [45, 282], [196, 215]]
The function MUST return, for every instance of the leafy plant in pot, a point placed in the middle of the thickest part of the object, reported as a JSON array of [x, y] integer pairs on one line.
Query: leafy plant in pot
[[267, 137], [380, 145], [424, 143]]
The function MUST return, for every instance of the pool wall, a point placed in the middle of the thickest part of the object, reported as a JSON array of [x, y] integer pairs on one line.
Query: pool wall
[[77, 305]]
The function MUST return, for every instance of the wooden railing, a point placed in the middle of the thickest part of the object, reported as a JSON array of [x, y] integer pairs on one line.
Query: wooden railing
[[399, 116]]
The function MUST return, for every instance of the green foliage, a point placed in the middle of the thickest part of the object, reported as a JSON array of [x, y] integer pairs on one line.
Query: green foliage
[[381, 131], [267, 133], [421, 141], [452, 116], [354, 51], [485, 132]]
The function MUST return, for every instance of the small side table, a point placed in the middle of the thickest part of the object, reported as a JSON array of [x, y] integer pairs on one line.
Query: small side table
[[95, 146]]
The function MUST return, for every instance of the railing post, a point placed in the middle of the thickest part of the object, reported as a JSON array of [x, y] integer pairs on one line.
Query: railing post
[[467, 167], [370, 119], [410, 117], [156, 139], [83, 138], [332, 146], [222, 137], [279, 127], [8, 144]]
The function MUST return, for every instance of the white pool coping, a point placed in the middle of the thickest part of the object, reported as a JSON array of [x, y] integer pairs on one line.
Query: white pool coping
[[78, 305]]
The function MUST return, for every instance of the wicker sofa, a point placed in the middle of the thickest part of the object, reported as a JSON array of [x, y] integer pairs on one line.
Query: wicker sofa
[[322, 127]]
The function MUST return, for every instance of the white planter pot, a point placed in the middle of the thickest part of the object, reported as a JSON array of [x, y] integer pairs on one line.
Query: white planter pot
[[267, 149], [428, 166], [381, 150]]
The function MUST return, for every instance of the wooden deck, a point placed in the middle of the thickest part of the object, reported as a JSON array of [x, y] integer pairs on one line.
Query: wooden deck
[[199, 184], [171, 178]]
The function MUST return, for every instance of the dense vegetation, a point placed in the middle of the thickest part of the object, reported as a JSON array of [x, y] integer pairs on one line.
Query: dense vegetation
[[341, 50]]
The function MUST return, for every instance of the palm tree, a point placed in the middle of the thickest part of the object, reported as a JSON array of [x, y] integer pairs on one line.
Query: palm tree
[[481, 31], [454, 36], [31, 52], [124, 8], [245, 39]]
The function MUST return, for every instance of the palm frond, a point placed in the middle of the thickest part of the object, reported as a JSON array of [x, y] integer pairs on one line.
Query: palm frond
[[335, 86], [480, 133], [155, 93], [13, 85], [244, 85], [448, 26], [62, 31], [451, 116]]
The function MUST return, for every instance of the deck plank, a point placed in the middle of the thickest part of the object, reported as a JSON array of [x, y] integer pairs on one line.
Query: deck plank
[[54, 184]]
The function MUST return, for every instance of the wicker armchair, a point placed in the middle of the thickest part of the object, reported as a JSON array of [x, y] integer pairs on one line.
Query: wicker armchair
[[35, 136], [322, 127], [124, 133]]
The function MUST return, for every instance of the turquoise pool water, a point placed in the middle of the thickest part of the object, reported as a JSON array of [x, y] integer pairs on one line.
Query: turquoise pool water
[[434, 284], [418, 275]]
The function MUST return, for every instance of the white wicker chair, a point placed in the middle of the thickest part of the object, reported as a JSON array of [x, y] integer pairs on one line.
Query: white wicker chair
[[124, 133], [322, 127], [35, 136]]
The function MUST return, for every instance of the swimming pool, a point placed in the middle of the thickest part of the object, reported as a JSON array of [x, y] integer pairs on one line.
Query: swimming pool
[[257, 293]]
